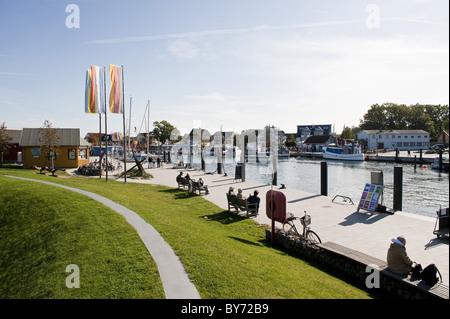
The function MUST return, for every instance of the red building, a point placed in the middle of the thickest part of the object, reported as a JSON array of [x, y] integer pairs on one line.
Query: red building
[[14, 153]]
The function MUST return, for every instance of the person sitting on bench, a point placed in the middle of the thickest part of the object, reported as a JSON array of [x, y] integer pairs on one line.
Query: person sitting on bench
[[253, 201], [201, 185]]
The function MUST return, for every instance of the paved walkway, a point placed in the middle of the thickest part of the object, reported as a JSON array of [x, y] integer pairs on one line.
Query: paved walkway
[[338, 222], [174, 277]]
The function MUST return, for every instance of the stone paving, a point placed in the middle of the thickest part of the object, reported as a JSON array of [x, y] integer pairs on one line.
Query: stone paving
[[337, 221]]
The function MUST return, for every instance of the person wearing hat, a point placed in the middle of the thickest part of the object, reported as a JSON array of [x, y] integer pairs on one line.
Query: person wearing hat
[[231, 191], [397, 258]]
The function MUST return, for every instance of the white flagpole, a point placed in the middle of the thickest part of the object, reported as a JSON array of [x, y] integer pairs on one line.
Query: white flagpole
[[100, 142], [124, 132], [148, 134], [106, 124]]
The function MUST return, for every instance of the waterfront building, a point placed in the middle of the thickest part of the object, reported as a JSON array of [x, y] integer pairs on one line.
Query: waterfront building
[[395, 139], [305, 131], [443, 138], [73, 150]]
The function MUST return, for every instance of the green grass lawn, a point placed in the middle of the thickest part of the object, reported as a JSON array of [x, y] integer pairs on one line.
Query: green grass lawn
[[45, 228]]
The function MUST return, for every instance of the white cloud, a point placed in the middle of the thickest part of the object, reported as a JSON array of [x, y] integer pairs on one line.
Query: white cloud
[[183, 49]]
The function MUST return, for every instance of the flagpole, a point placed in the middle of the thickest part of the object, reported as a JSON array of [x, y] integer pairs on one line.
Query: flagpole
[[148, 134], [100, 142], [123, 113], [106, 124]]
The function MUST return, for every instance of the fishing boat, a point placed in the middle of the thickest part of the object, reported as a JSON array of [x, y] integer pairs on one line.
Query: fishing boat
[[345, 153]]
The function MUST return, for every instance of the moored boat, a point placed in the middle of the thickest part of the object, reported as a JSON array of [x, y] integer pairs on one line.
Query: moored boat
[[345, 153]]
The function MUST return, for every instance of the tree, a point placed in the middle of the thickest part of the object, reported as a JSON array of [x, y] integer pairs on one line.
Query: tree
[[164, 131], [375, 118], [5, 140], [49, 140], [347, 133], [390, 116]]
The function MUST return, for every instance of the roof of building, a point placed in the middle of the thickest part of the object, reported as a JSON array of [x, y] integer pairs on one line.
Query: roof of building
[[318, 139], [15, 136], [371, 132], [67, 137]]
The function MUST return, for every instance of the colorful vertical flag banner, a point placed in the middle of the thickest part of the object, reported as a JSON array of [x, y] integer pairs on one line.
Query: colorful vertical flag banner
[[116, 93], [95, 91]]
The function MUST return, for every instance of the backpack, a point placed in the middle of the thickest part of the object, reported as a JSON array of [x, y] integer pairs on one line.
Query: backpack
[[429, 275]]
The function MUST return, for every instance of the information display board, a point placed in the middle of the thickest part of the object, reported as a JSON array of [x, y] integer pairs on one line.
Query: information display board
[[370, 196]]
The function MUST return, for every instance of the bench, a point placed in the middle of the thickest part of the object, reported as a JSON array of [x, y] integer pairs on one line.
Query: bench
[[199, 188], [355, 264], [51, 170], [182, 182], [240, 203]]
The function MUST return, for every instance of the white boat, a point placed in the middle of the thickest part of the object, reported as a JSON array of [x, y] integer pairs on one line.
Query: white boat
[[435, 164], [345, 153]]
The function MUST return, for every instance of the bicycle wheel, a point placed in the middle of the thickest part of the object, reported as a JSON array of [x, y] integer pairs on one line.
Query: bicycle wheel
[[313, 237], [289, 228]]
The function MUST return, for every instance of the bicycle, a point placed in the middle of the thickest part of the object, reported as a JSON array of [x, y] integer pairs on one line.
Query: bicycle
[[290, 229]]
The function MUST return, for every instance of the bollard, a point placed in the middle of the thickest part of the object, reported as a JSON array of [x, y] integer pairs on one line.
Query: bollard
[[323, 178], [415, 163], [398, 187], [440, 161]]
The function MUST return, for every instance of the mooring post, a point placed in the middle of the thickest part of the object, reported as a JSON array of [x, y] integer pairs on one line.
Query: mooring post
[[398, 187], [323, 179]]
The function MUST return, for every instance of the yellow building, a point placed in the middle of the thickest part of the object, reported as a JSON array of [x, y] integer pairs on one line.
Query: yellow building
[[73, 151]]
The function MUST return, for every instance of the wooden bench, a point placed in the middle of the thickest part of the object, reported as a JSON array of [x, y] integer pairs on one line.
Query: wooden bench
[[182, 182], [390, 282], [199, 189], [239, 204]]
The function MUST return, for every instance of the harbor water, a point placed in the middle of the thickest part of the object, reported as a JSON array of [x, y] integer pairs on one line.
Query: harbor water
[[424, 190]]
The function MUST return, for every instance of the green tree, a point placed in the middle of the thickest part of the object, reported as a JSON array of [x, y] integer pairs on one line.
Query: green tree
[[5, 140], [347, 133], [390, 116], [375, 118], [164, 131]]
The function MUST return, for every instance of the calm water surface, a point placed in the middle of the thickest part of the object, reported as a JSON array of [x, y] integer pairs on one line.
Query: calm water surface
[[424, 190]]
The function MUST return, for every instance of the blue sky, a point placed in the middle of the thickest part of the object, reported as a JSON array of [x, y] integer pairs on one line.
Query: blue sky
[[230, 64]]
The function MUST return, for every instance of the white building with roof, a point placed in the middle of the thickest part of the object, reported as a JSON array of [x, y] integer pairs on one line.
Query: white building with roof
[[395, 139]]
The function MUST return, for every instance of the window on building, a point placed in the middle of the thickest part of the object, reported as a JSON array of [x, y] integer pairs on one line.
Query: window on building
[[82, 153], [72, 154], [406, 144], [412, 144], [419, 143], [399, 144]]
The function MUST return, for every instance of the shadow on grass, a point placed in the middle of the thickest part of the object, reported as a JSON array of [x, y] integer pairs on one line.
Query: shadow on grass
[[178, 193], [225, 217], [248, 242]]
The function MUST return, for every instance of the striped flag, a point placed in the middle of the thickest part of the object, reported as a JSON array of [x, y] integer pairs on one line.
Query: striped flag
[[116, 93], [95, 91]]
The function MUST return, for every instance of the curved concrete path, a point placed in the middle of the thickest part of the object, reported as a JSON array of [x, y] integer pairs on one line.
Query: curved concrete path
[[174, 277]]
